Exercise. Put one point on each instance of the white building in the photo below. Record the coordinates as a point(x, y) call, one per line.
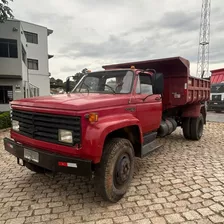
point(24, 69)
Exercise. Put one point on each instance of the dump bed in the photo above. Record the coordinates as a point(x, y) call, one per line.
point(179, 87)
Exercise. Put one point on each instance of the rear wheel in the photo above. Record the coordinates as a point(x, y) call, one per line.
point(186, 127)
point(197, 126)
point(193, 127)
point(115, 171)
point(34, 168)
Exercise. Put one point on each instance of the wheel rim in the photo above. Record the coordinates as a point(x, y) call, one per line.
point(200, 129)
point(122, 170)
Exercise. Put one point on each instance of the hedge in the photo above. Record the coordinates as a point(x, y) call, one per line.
point(5, 121)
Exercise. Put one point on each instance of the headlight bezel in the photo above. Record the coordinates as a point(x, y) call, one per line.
point(68, 134)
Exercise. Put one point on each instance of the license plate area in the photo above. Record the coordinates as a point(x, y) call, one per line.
point(31, 155)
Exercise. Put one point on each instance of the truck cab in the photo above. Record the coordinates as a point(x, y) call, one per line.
point(135, 88)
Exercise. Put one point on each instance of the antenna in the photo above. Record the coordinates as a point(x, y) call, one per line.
point(204, 38)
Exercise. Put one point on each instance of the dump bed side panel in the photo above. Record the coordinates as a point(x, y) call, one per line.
point(174, 91)
point(185, 90)
point(198, 90)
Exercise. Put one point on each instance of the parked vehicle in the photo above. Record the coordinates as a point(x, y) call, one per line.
point(110, 117)
point(216, 102)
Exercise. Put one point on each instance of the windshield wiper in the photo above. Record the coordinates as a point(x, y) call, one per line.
point(109, 88)
point(86, 86)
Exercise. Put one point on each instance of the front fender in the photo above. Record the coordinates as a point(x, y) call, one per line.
point(96, 133)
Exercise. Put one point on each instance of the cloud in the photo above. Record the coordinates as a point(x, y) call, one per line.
point(91, 33)
point(180, 21)
point(73, 69)
point(112, 47)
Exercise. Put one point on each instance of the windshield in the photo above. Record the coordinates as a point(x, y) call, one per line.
point(217, 88)
point(119, 81)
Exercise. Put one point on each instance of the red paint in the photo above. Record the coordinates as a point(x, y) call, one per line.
point(113, 110)
point(217, 76)
point(192, 110)
point(62, 164)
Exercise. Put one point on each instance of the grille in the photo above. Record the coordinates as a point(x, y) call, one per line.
point(45, 127)
point(216, 98)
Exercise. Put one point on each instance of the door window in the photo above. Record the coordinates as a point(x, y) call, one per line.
point(144, 84)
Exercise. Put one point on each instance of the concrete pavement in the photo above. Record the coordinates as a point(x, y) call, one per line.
point(215, 117)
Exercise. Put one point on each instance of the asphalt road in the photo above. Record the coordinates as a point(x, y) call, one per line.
point(215, 117)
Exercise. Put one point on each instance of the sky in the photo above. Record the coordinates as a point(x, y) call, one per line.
point(92, 33)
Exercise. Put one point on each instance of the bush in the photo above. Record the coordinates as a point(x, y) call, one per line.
point(5, 121)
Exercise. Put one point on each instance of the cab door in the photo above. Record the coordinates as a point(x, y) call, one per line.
point(148, 105)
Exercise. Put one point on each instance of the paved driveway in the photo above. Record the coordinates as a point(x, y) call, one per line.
point(183, 182)
point(216, 117)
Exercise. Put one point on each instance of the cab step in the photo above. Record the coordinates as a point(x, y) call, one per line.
point(150, 144)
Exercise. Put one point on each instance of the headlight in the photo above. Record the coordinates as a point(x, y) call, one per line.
point(10, 112)
point(15, 125)
point(65, 136)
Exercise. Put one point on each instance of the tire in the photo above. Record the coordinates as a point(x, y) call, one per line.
point(186, 127)
point(34, 168)
point(197, 125)
point(110, 182)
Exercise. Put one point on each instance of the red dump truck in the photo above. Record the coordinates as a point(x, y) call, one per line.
point(110, 117)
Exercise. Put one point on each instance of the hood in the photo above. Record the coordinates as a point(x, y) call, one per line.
point(77, 101)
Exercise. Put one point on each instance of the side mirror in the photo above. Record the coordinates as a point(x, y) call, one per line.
point(67, 87)
point(158, 83)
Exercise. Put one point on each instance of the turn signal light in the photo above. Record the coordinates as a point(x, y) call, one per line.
point(92, 117)
point(132, 67)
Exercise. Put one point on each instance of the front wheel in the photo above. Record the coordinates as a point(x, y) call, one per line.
point(115, 171)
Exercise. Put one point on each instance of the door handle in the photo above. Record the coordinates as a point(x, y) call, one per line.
point(158, 98)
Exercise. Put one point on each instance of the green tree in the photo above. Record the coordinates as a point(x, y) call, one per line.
point(56, 83)
point(5, 11)
point(79, 75)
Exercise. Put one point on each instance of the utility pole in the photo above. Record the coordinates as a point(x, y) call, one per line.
point(204, 38)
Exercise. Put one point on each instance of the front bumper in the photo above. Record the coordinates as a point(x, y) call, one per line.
point(216, 105)
point(50, 161)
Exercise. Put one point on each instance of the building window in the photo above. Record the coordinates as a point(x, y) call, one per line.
point(32, 64)
point(6, 94)
point(8, 48)
point(23, 54)
point(31, 37)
